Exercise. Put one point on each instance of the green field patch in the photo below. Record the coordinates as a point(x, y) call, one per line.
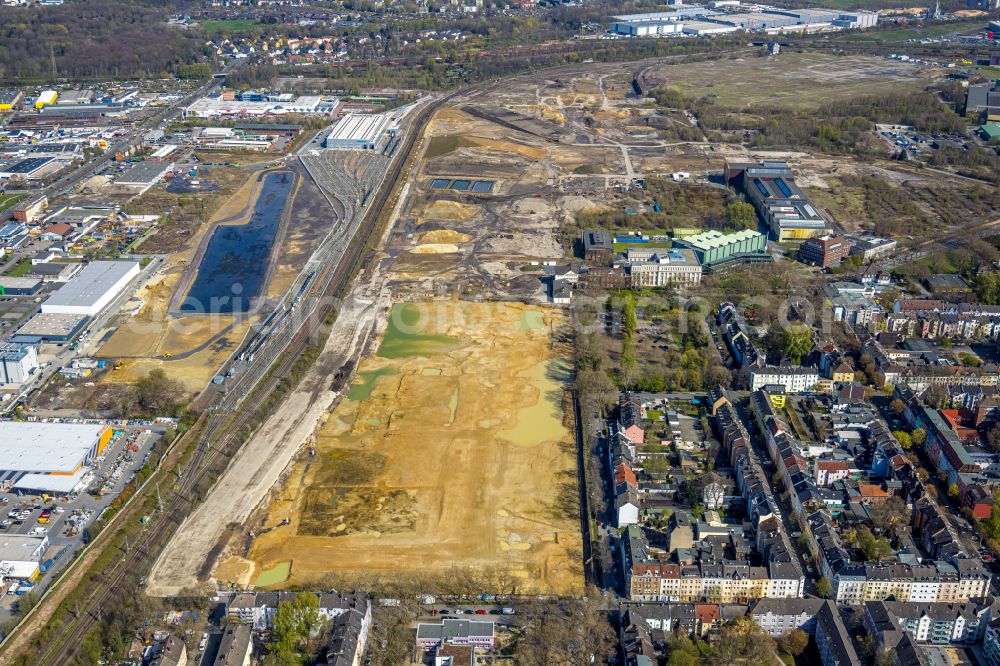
point(442, 145)
point(532, 320)
point(403, 337)
point(8, 200)
point(21, 268)
point(228, 25)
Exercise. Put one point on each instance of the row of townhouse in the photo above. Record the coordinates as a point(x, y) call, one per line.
point(792, 379)
point(949, 576)
point(817, 617)
point(779, 574)
point(936, 623)
point(936, 325)
point(922, 368)
point(622, 460)
point(644, 627)
point(648, 579)
point(909, 307)
point(737, 335)
point(715, 578)
point(952, 576)
point(973, 469)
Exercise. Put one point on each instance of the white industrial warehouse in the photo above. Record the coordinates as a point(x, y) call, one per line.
point(215, 107)
point(20, 556)
point(92, 289)
point(49, 457)
point(359, 131)
point(696, 20)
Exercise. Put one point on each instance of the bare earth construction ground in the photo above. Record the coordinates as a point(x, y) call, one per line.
point(420, 469)
point(450, 452)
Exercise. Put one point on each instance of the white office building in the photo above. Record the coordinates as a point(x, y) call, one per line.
point(17, 362)
point(795, 380)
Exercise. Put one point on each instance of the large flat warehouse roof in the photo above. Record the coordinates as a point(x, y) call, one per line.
point(46, 447)
point(51, 483)
point(360, 127)
point(20, 547)
point(51, 326)
point(92, 284)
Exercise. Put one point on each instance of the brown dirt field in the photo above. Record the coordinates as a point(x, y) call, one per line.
point(492, 146)
point(457, 458)
point(194, 372)
point(235, 570)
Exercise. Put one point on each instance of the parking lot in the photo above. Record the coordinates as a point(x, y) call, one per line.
point(64, 520)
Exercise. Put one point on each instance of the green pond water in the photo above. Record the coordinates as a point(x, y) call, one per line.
point(542, 421)
point(531, 320)
point(403, 336)
point(362, 390)
point(279, 573)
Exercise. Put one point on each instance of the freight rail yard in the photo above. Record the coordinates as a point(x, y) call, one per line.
point(294, 270)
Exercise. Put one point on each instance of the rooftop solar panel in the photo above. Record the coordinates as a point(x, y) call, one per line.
point(783, 187)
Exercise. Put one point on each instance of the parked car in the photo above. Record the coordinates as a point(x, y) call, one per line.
point(480, 612)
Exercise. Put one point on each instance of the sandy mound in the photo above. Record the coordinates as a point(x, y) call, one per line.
point(450, 210)
point(575, 204)
point(234, 570)
point(435, 248)
point(443, 236)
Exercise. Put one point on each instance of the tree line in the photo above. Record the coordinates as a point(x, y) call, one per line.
point(92, 39)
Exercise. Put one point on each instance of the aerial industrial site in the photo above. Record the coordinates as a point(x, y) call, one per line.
point(479, 333)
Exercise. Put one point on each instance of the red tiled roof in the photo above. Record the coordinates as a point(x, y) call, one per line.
point(707, 613)
point(899, 461)
point(60, 228)
point(833, 465)
point(624, 474)
point(871, 490)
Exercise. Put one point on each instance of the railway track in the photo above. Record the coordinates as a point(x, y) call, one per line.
point(222, 429)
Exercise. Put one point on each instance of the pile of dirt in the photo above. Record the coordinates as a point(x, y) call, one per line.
point(435, 248)
point(443, 236)
point(450, 210)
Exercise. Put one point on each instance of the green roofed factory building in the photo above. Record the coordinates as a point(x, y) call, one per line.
point(718, 252)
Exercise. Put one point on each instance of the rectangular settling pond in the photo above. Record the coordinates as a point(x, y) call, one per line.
point(232, 271)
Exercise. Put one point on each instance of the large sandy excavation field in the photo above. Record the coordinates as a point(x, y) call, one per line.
point(452, 450)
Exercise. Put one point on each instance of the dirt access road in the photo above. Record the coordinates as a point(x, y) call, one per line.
point(258, 467)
